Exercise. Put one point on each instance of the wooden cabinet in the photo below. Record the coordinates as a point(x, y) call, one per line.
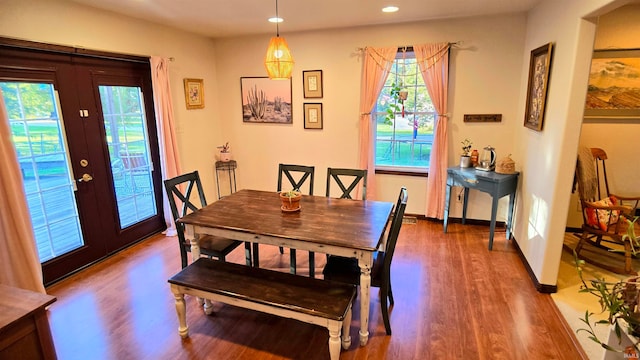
point(24, 328)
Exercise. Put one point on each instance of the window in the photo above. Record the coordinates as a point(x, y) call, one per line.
point(403, 138)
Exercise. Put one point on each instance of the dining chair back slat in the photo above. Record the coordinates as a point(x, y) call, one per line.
point(290, 172)
point(303, 173)
point(356, 176)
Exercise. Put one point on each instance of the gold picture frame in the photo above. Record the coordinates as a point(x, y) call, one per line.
point(312, 115)
point(539, 69)
point(312, 81)
point(194, 93)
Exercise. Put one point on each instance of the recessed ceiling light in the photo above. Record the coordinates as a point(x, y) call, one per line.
point(276, 20)
point(390, 9)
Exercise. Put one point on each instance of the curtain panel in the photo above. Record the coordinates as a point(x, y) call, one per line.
point(167, 141)
point(376, 66)
point(19, 262)
point(433, 60)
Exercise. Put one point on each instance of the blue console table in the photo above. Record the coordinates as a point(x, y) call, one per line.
point(496, 185)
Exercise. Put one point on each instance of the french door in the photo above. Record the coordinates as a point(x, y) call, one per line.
point(84, 132)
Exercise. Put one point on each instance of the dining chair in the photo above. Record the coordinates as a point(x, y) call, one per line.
point(339, 175)
point(190, 200)
point(346, 270)
point(298, 177)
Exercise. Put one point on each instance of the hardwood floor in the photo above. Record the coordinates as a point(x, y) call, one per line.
point(454, 299)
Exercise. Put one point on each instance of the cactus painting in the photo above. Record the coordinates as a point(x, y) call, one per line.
point(265, 100)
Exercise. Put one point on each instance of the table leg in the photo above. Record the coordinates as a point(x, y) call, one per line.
point(512, 200)
point(447, 200)
point(190, 235)
point(256, 255)
point(494, 211)
point(464, 205)
point(365, 290)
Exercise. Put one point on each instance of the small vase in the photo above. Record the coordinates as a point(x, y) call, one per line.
point(465, 161)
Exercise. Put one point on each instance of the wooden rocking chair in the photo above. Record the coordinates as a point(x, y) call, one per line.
point(603, 213)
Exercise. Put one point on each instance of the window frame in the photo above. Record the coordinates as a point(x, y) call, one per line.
point(414, 85)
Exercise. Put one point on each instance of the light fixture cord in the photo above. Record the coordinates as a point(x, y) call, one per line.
point(277, 21)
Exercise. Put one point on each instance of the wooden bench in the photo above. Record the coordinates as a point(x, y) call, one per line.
point(314, 301)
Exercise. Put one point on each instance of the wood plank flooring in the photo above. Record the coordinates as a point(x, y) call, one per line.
point(454, 299)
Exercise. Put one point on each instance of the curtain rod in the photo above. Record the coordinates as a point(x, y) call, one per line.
point(410, 47)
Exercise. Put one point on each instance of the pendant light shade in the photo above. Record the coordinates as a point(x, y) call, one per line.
point(278, 60)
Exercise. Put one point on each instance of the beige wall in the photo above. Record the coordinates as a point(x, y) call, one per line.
point(618, 29)
point(483, 69)
point(550, 155)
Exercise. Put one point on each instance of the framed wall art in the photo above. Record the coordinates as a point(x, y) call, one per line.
point(539, 69)
point(312, 84)
point(194, 93)
point(312, 115)
point(614, 84)
point(265, 100)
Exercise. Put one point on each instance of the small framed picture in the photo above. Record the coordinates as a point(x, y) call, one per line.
point(312, 84)
point(194, 93)
point(312, 115)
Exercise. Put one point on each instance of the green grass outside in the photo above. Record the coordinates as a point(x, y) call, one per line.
point(402, 155)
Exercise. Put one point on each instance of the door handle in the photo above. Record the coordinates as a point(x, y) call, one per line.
point(86, 178)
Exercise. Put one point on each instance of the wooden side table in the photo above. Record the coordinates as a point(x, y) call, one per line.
point(497, 185)
point(24, 327)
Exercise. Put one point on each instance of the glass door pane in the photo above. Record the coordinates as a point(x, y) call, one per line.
point(38, 135)
point(127, 139)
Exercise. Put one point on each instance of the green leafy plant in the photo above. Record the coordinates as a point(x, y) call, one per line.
point(291, 194)
point(619, 300)
point(466, 147)
point(393, 105)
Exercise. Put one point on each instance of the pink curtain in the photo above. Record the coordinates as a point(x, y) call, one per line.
point(433, 60)
point(169, 159)
point(19, 262)
point(377, 63)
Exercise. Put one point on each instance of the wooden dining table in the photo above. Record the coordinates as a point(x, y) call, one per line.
point(342, 227)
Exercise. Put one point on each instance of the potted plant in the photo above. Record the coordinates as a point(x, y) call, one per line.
point(290, 200)
point(398, 96)
point(618, 300)
point(225, 152)
point(465, 157)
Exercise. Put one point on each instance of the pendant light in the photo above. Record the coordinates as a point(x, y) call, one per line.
point(278, 60)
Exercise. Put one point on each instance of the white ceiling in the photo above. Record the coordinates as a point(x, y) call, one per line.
point(226, 18)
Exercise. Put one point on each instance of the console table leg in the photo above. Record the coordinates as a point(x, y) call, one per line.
point(464, 205)
point(512, 200)
point(447, 200)
point(494, 211)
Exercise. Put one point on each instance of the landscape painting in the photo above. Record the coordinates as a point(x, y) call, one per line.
point(265, 100)
point(614, 84)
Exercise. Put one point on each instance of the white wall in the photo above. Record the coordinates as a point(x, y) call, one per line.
point(483, 69)
point(619, 29)
point(549, 156)
point(66, 23)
